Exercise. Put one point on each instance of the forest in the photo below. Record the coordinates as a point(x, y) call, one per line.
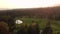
point(35, 21)
point(49, 12)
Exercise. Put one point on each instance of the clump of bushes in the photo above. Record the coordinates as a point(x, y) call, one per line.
point(47, 29)
point(4, 29)
point(29, 29)
point(33, 28)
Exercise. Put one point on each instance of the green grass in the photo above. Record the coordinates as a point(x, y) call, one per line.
point(42, 23)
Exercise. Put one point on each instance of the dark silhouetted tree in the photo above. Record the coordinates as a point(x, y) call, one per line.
point(34, 28)
point(11, 24)
point(22, 29)
point(48, 29)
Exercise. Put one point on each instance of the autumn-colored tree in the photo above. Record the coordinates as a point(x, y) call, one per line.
point(4, 29)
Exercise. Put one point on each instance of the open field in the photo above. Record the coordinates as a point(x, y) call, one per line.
point(42, 23)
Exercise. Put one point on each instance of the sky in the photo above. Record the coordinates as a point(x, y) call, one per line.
point(11, 4)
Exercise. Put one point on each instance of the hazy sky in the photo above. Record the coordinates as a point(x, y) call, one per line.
point(10, 4)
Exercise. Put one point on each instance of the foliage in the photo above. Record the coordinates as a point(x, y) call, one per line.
point(4, 29)
point(55, 25)
point(28, 29)
point(47, 29)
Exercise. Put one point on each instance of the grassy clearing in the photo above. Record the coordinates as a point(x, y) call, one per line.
point(42, 22)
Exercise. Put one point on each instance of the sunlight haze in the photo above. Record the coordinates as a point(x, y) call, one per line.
point(11, 4)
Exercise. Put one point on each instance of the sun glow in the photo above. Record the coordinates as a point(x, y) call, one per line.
point(11, 4)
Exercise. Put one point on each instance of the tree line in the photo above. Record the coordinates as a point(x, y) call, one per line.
point(50, 12)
